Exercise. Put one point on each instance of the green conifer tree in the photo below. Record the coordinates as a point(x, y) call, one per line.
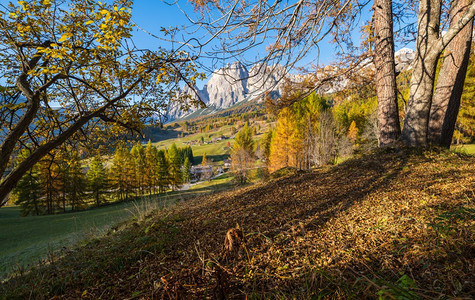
point(187, 170)
point(28, 190)
point(97, 179)
point(266, 143)
point(138, 155)
point(150, 166)
point(176, 177)
point(162, 173)
point(76, 184)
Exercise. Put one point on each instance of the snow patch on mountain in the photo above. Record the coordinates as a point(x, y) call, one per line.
point(229, 86)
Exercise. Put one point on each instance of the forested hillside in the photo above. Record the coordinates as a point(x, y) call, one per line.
point(389, 225)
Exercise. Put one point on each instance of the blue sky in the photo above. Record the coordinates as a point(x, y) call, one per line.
point(153, 15)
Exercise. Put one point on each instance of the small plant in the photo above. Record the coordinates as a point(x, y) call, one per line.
point(445, 223)
point(400, 290)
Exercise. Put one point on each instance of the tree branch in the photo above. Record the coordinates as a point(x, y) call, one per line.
point(445, 39)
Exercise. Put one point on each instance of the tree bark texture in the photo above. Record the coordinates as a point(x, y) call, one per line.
point(429, 46)
point(448, 92)
point(389, 128)
point(423, 75)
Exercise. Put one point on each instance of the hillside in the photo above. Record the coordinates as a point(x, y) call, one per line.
point(397, 224)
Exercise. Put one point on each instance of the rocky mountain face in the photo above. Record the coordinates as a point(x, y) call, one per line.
point(404, 58)
point(234, 84)
point(188, 102)
point(229, 86)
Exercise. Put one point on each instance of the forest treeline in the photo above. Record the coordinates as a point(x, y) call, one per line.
point(317, 130)
point(61, 183)
point(314, 131)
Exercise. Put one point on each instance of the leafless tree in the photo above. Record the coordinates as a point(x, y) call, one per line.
point(326, 140)
point(292, 30)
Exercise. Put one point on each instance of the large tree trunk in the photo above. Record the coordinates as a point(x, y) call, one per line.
point(423, 74)
point(389, 128)
point(446, 102)
point(428, 49)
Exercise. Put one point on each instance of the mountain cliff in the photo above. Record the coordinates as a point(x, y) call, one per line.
point(228, 86)
point(235, 84)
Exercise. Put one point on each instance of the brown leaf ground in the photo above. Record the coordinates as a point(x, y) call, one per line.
point(396, 224)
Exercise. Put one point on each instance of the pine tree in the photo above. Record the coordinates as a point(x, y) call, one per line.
point(162, 173)
point(266, 143)
point(187, 152)
point(187, 170)
point(28, 190)
point(138, 155)
point(118, 174)
point(174, 158)
point(204, 160)
point(76, 183)
point(97, 178)
point(150, 166)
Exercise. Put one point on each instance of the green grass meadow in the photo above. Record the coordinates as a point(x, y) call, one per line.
point(28, 240)
point(465, 149)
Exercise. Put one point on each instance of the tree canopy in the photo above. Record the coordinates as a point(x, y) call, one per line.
point(296, 29)
point(79, 56)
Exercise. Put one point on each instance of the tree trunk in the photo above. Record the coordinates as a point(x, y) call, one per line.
point(389, 128)
point(423, 74)
point(446, 102)
point(428, 49)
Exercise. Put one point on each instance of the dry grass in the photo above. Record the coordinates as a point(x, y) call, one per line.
point(396, 224)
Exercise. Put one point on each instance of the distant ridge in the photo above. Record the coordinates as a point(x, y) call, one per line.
point(234, 84)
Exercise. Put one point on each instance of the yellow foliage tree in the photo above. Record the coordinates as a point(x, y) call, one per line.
point(285, 142)
point(76, 54)
point(352, 132)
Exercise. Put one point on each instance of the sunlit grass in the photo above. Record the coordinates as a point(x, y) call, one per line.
point(26, 240)
point(466, 149)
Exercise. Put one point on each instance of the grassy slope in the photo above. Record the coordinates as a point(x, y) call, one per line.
point(466, 149)
point(217, 151)
point(26, 240)
point(395, 224)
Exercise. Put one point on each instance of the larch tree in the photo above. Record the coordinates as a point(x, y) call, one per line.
point(389, 128)
point(176, 176)
point(76, 183)
point(28, 190)
point(429, 45)
point(150, 165)
point(138, 155)
point(77, 54)
point(292, 30)
point(97, 179)
point(282, 150)
point(52, 182)
point(242, 154)
point(118, 172)
point(448, 91)
point(162, 173)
